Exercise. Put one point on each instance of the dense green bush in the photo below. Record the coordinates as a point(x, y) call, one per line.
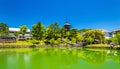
point(116, 38)
point(52, 41)
point(58, 41)
point(35, 42)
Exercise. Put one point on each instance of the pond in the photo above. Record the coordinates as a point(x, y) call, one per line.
point(59, 58)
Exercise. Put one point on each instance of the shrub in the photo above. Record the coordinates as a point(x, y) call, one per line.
point(52, 41)
point(35, 42)
point(58, 41)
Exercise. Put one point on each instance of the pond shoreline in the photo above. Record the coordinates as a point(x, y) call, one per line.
point(60, 45)
point(35, 46)
point(106, 47)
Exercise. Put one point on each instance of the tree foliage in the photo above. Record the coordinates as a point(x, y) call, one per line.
point(79, 37)
point(53, 31)
point(96, 35)
point(54, 34)
point(4, 29)
point(23, 29)
point(52, 41)
point(38, 31)
point(16, 34)
point(89, 40)
point(116, 38)
point(73, 33)
point(84, 30)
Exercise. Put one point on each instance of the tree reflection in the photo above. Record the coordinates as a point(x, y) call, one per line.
point(102, 56)
point(53, 58)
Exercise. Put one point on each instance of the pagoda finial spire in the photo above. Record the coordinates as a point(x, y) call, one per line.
point(66, 20)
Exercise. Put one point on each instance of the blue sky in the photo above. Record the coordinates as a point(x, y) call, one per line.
point(95, 14)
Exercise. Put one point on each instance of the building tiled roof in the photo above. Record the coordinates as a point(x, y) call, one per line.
point(66, 24)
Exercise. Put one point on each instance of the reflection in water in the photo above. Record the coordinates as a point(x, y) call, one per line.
point(56, 58)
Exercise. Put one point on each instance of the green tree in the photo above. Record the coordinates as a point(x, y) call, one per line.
point(63, 33)
point(4, 29)
point(116, 38)
point(38, 31)
point(23, 30)
point(73, 40)
point(67, 34)
point(16, 34)
point(73, 33)
point(53, 31)
point(79, 37)
point(75, 36)
point(96, 35)
point(89, 40)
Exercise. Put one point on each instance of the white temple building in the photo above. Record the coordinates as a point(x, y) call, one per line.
point(109, 34)
point(20, 37)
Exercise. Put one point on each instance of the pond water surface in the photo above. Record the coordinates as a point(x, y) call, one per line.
point(56, 58)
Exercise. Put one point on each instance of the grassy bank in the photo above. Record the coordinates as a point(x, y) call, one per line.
point(102, 46)
point(29, 44)
point(98, 45)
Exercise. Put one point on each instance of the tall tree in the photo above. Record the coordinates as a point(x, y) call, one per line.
point(73, 33)
point(53, 31)
point(79, 37)
point(96, 35)
point(23, 30)
point(4, 29)
point(38, 31)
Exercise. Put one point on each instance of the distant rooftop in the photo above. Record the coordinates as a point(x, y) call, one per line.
point(17, 29)
point(117, 30)
point(66, 24)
